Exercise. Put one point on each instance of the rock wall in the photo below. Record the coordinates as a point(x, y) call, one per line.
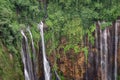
point(74, 67)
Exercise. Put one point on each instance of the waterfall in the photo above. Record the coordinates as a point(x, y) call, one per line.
point(116, 42)
point(105, 63)
point(34, 55)
point(28, 69)
point(45, 62)
point(107, 51)
point(57, 76)
point(25, 67)
point(104, 53)
point(101, 54)
point(105, 56)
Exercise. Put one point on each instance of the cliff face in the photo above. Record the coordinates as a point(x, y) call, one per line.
point(73, 66)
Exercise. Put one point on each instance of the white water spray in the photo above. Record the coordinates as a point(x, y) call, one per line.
point(45, 62)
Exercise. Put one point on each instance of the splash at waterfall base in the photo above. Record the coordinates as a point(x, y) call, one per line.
point(102, 57)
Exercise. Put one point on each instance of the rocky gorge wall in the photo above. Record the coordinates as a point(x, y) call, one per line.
point(74, 66)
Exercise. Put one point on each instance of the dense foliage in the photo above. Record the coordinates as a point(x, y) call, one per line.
point(14, 16)
point(72, 19)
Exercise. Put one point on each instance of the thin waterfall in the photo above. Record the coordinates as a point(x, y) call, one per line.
point(58, 78)
point(25, 67)
point(101, 52)
point(106, 61)
point(34, 55)
point(28, 69)
point(116, 42)
point(45, 62)
point(108, 52)
point(105, 54)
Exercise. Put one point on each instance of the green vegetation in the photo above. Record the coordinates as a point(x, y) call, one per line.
point(70, 18)
point(14, 16)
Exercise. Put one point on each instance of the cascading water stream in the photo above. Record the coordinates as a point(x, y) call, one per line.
point(34, 55)
point(104, 53)
point(58, 78)
point(101, 53)
point(45, 62)
point(105, 56)
point(108, 51)
point(106, 61)
point(25, 67)
point(28, 69)
point(116, 42)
